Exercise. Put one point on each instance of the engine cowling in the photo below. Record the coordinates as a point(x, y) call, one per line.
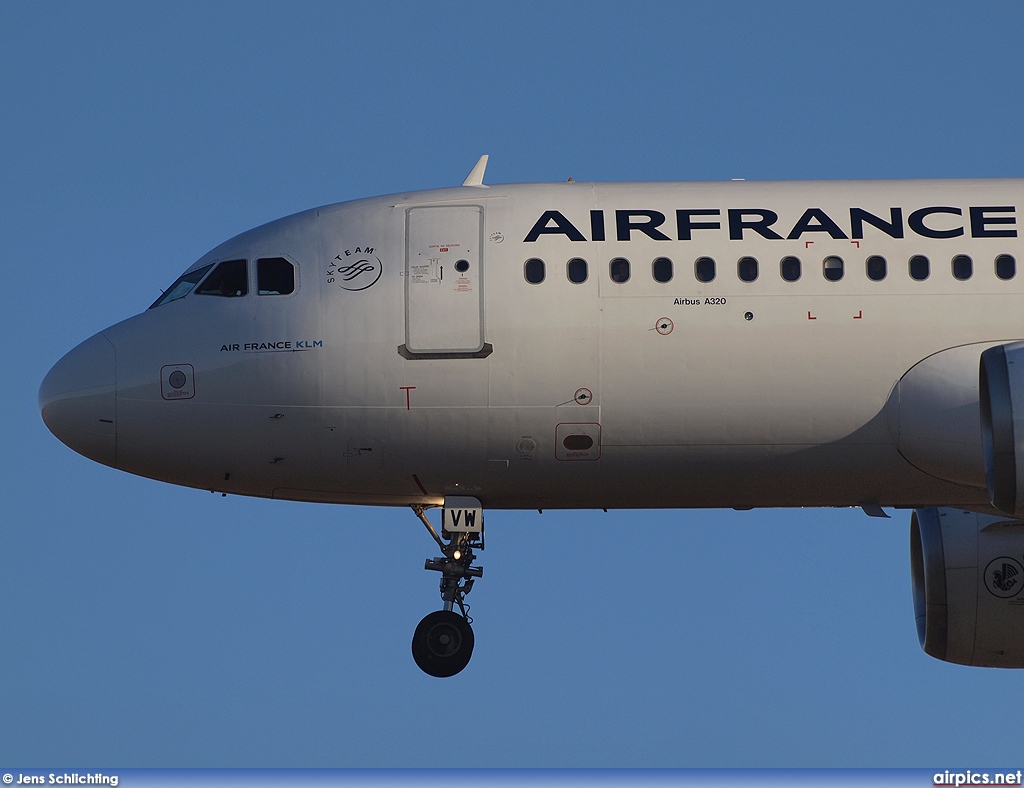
point(1001, 395)
point(968, 581)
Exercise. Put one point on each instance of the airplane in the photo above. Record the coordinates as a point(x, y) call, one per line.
point(601, 345)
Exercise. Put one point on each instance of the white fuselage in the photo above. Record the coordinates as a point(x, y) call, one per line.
point(390, 376)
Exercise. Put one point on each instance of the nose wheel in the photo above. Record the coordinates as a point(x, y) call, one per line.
point(443, 641)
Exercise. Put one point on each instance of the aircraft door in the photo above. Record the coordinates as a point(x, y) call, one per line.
point(444, 306)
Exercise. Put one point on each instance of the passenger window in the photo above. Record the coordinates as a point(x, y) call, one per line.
point(963, 267)
point(919, 267)
point(789, 267)
point(876, 267)
point(229, 279)
point(274, 276)
point(1006, 266)
point(746, 267)
point(183, 286)
point(576, 270)
point(704, 269)
point(618, 270)
point(832, 268)
point(533, 270)
point(661, 269)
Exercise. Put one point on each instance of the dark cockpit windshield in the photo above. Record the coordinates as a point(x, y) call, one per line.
point(275, 276)
point(229, 279)
point(183, 286)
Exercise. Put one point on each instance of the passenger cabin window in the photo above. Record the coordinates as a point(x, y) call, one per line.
point(919, 267)
point(789, 267)
point(533, 270)
point(832, 268)
point(876, 268)
point(618, 270)
point(229, 279)
point(746, 267)
point(577, 270)
point(963, 267)
point(1006, 266)
point(704, 269)
point(661, 269)
point(275, 276)
point(183, 286)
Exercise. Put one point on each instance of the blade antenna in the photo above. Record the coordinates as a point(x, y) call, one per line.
point(476, 175)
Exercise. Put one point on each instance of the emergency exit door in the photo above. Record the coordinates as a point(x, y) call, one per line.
point(444, 306)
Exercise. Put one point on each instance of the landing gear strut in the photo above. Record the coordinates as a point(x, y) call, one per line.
point(443, 641)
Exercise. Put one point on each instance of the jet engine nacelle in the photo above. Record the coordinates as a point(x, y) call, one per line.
point(1001, 395)
point(968, 579)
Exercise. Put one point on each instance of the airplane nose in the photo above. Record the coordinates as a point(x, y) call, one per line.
point(77, 400)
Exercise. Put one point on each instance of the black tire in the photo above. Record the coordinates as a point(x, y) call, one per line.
point(442, 643)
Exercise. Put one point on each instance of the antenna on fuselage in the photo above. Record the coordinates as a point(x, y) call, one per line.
point(476, 175)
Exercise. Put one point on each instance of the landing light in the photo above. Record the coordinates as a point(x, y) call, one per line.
point(457, 555)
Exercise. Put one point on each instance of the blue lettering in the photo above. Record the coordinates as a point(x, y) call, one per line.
point(760, 225)
point(815, 220)
point(980, 221)
point(916, 222)
point(893, 228)
point(685, 224)
point(646, 222)
point(562, 226)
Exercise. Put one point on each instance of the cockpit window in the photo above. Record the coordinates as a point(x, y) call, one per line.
point(183, 286)
point(229, 279)
point(274, 276)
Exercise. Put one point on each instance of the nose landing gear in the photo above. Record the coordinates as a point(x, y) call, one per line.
point(443, 641)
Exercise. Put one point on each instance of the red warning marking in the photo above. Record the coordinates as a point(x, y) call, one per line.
point(419, 484)
point(856, 243)
point(809, 315)
point(444, 249)
point(859, 315)
point(408, 399)
point(807, 244)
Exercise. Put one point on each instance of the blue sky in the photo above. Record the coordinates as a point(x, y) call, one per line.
point(147, 625)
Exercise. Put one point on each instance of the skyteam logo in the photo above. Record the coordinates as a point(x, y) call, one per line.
point(355, 269)
point(1004, 577)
